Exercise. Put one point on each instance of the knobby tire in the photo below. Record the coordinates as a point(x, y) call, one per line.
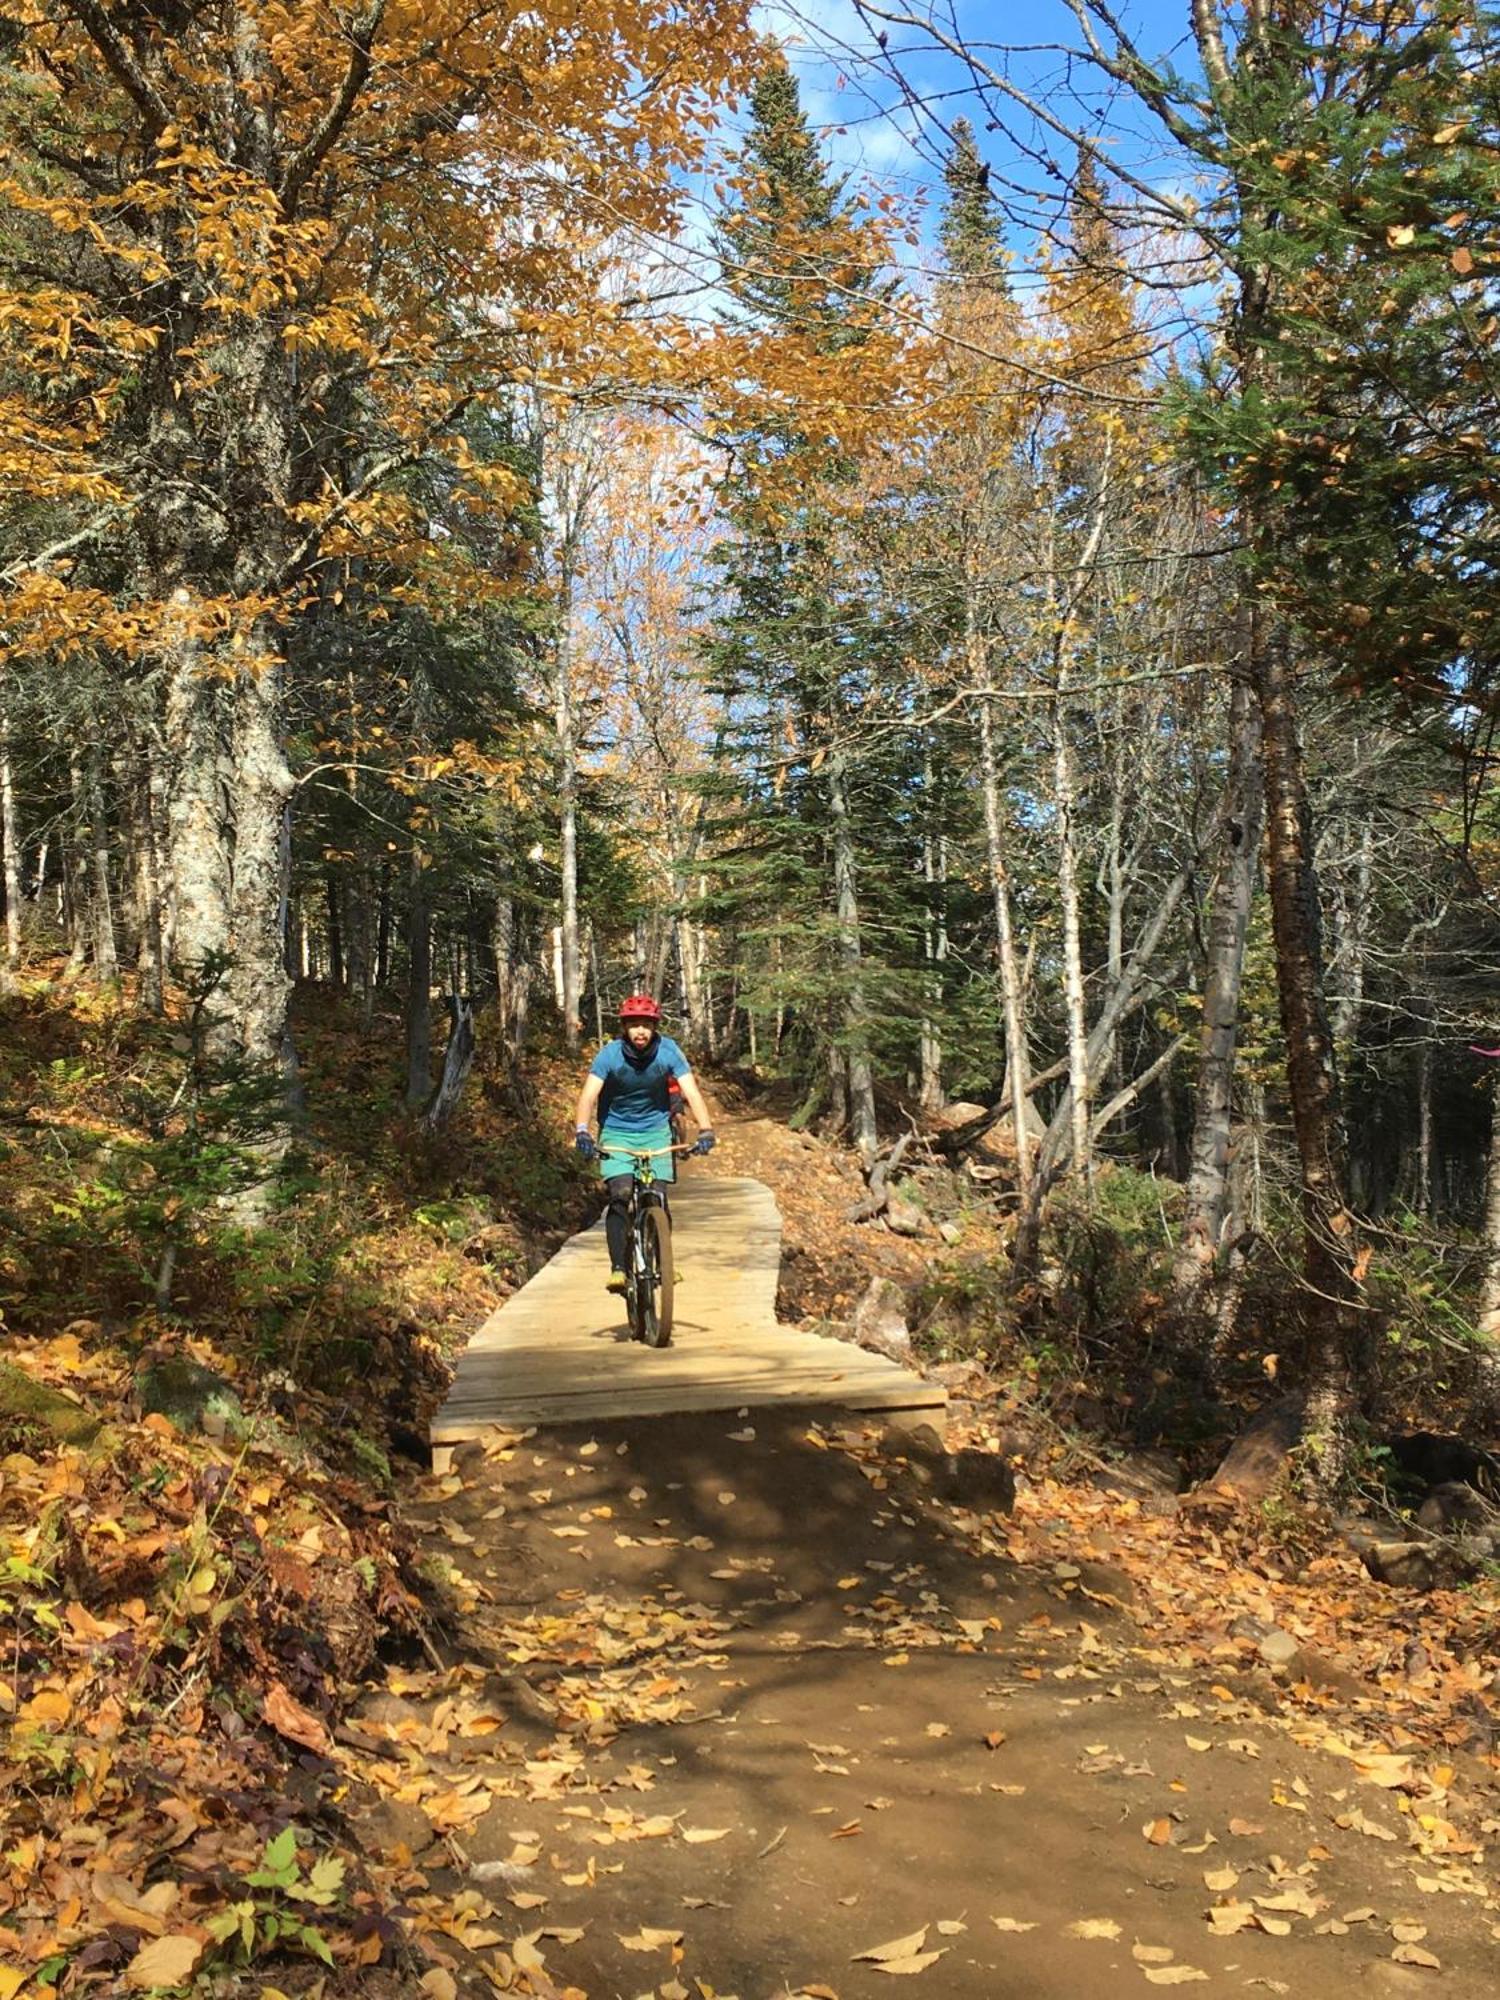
point(651, 1290)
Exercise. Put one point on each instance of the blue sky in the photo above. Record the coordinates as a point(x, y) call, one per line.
point(873, 132)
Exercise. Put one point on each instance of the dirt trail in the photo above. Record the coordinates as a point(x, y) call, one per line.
point(760, 1690)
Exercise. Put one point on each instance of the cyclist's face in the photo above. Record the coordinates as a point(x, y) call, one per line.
point(638, 1033)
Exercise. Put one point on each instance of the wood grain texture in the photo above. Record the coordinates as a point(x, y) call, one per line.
point(560, 1351)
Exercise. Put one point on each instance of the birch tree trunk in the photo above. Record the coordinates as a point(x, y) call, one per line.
point(570, 980)
point(10, 852)
point(1207, 1191)
point(1017, 1056)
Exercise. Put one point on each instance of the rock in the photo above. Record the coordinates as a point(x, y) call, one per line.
point(1257, 1459)
point(903, 1217)
point(880, 1321)
point(917, 1441)
point(951, 1233)
point(1277, 1648)
point(190, 1396)
point(1407, 1565)
point(391, 1823)
point(1145, 1472)
point(1455, 1505)
point(29, 1410)
point(1306, 1665)
point(979, 1479)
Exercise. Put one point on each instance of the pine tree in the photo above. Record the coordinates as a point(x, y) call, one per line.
point(793, 653)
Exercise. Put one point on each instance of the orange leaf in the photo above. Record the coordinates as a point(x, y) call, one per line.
point(290, 1719)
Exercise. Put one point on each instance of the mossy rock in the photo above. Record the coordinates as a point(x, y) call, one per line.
point(190, 1396)
point(30, 1411)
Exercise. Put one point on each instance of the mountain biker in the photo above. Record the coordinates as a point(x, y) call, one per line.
point(629, 1085)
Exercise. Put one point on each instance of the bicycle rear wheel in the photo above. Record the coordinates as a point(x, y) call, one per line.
point(656, 1286)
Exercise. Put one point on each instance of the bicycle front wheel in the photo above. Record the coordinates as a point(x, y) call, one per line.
point(656, 1285)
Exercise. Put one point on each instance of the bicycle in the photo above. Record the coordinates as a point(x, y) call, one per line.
point(649, 1272)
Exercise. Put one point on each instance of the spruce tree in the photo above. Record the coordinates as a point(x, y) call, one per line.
point(797, 650)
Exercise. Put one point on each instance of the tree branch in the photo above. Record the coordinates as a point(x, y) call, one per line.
point(102, 32)
point(306, 161)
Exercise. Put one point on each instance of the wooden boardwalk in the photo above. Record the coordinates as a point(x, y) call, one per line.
point(559, 1351)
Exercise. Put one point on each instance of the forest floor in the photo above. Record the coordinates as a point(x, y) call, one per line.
point(716, 1706)
point(788, 1725)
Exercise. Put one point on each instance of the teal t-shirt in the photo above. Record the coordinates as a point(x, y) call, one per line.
point(633, 1103)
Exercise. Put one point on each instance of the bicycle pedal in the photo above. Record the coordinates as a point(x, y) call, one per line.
point(616, 1283)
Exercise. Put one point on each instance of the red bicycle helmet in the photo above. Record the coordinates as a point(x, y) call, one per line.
point(640, 1007)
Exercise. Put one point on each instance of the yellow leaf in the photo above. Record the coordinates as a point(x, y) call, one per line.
point(49, 1708)
point(1397, 237)
point(166, 1961)
point(902, 1947)
point(12, 1978)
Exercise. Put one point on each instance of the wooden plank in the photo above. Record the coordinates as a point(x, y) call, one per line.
point(555, 1352)
point(544, 1410)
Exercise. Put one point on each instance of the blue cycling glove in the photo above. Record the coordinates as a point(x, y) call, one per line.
point(584, 1142)
point(706, 1143)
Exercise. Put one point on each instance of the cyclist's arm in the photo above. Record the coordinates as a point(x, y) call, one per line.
point(588, 1100)
point(689, 1086)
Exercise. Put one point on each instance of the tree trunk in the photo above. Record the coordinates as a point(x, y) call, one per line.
point(1080, 1081)
point(150, 947)
point(1207, 1192)
point(1491, 1285)
point(10, 847)
point(418, 988)
point(1312, 1077)
point(934, 938)
point(1017, 1055)
point(856, 1025)
point(101, 893)
point(335, 927)
point(569, 976)
point(257, 986)
point(197, 838)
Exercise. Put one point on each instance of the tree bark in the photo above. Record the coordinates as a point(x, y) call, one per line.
point(10, 849)
point(934, 938)
point(418, 988)
point(1017, 1054)
point(570, 972)
point(196, 832)
point(1207, 1191)
point(855, 1021)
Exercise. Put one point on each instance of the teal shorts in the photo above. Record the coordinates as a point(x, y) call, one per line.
point(616, 1151)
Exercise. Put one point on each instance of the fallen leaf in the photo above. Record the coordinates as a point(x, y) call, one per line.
point(1158, 1832)
point(439, 1984)
point(917, 1963)
point(650, 1940)
point(951, 1927)
point(166, 1961)
point(1152, 1954)
point(1173, 1975)
point(290, 1719)
point(1414, 1954)
point(1220, 1879)
point(1405, 1933)
point(1011, 1924)
point(902, 1947)
point(1095, 1927)
point(696, 1836)
point(1245, 1829)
